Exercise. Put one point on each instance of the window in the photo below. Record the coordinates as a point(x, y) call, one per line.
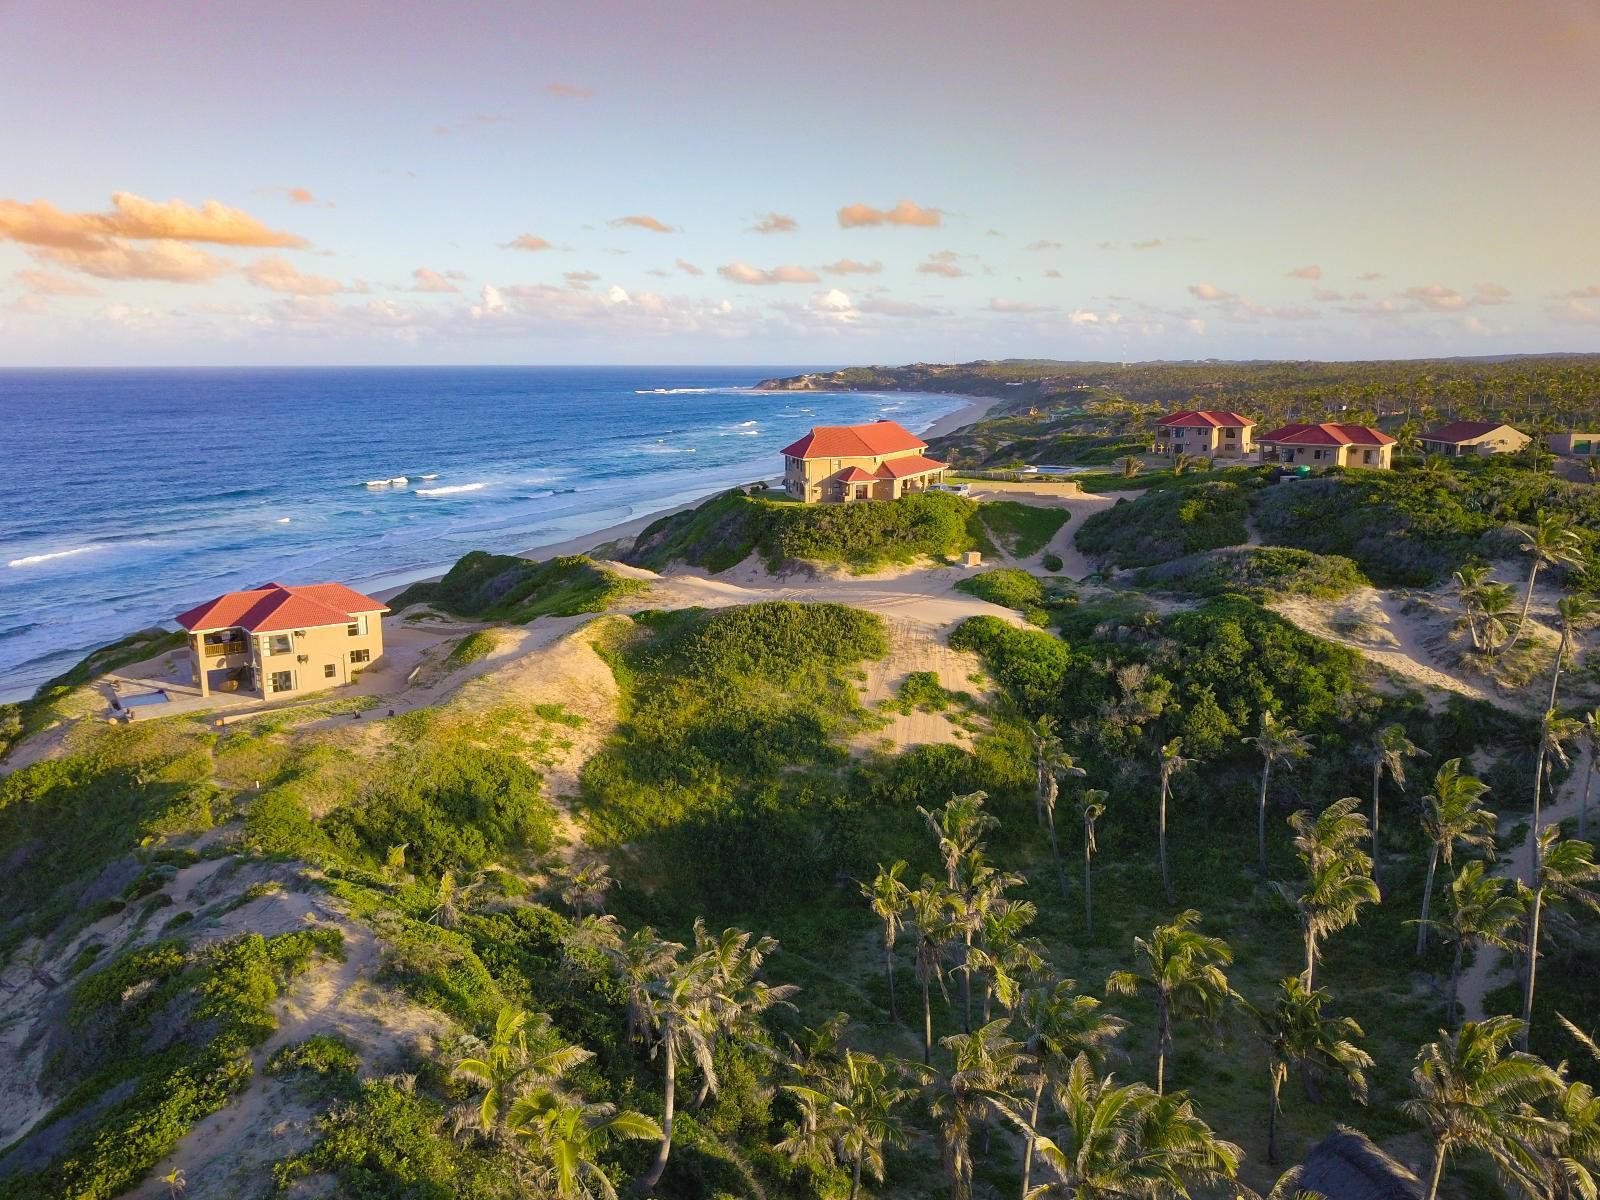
point(282, 681)
point(329, 670)
point(280, 643)
point(358, 627)
point(1232, 433)
point(360, 656)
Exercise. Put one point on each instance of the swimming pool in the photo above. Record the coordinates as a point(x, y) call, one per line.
point(156, 697)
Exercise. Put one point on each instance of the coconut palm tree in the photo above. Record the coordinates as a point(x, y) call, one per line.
point(1495, 604)
point(1452, 815)
point(1058, 1025)
point(1591, 738)
point(1338, 874)
point(1485, 910)
point(1549, 542)
point(1573, 612)
point(738, 996)
point(1131, 465)
point(1005, 956)
point(1470, 580)
point(1051, 762)
point(958, 827)
point(888, 895)
point(1276, 744)
point(1564, 872)
point(1390, 749)
point(679, 1013)
point(637, 961)
point(584, 885)
point(1182, 969)
point(1574, 1173)
point(934, 917)
point(1091, 806)
point(568, 1136)
point(1472, 1091)
point(1296, 1033)
point(1555, 731)
point(850, 1114)
point(1127, 1141)
point(1169, 762)
point(506, 1067)
point(986, 1066)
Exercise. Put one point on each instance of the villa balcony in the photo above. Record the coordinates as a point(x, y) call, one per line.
point(226, 649)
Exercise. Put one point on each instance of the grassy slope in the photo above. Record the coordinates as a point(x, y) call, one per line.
point(500, 587)
point(1166, 523)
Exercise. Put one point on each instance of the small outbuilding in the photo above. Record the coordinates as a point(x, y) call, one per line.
point(1346, 1165)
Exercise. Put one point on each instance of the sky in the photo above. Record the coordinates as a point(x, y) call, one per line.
point(826, 183)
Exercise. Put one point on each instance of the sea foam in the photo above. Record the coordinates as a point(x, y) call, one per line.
point(451, 490)
point(33, 560)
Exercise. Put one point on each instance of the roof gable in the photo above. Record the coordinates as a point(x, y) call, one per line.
point(1208, 418)
point(1346, 1165)
point(1466, 431)
point(871, 440)
point(274, 608)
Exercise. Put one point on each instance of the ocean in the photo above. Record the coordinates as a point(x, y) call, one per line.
point(127, 496)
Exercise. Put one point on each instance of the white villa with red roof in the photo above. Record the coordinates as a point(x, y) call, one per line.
point(839, 464)
point(1215, 433)
point(279, 642)
point(1328, 445)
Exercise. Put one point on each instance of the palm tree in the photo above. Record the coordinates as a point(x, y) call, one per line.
point(1472, 1091)
point(1495, 603)
point(888, 896)
point(1051, 762)
point(1390, 749)
point(1591, 737)
point(959, 828)
point(850, 1114)
point(1452, 815)
point(1484, 911)
point(1575, 1172)
point(570, 1136)
point(1182, 969)
point(1549, 542)
point(1170, 762)
point(1058, 1026)
point(1572, 611)
point(1004, 955)
point(933, 916)
point(1276, 743)
point(584, 885)
point(1555, 731)
point(678, 1012)
point(737, 996)
point(1470, 580)
point(1092, 807)
point(1128, 1141)
point(1295, 1032)
point(1131, 465)
point(1338, 874)
point(638, 961)
point(506, 1067)
point(1564, 869)
point(985, 1065)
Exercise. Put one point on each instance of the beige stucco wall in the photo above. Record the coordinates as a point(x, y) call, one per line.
point(1213, 443)
point(1580, 444)
point(320, 647)
point(812, 479)
point(1375, 458)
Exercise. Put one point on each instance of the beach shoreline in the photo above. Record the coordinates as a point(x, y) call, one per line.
point(969, 413)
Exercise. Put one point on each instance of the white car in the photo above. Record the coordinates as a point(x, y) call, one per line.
point(955, 489)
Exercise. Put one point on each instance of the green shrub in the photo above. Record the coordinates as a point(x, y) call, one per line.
point(501, 587)
point(1052, 563)
point(474, 646)
point(1168, 523)
point(320, 1054)
point(1006, 586)
point(1258, 571)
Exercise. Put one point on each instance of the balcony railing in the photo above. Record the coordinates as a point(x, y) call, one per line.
point(222, 649)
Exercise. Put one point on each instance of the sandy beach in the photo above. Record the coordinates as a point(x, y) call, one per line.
point(968, 414)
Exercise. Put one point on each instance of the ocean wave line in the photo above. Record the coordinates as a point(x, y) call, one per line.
point(33, 560)
point(452, 489)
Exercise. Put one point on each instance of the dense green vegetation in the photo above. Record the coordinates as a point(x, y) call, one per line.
point(1260, 572)
point(501, 587)
point(160, 1037)
point(1413, 527)
point(726, 530)
point(1022, 529)
point(1009, 588)
point(1165, 524)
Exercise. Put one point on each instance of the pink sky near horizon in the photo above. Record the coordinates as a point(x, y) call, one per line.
point(422, 182)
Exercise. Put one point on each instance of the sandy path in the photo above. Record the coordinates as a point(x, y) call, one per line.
point(1491, 967)
point(1074, 564)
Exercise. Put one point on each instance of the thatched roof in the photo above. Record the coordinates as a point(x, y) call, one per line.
point(1345, 1165)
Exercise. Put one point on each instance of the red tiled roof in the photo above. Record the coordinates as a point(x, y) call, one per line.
point(915, 464)
point(1210, 418)
point(274, 607)
point(1462, 431)
point(856, 475)
point(1327, 434)
point(855, 441)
